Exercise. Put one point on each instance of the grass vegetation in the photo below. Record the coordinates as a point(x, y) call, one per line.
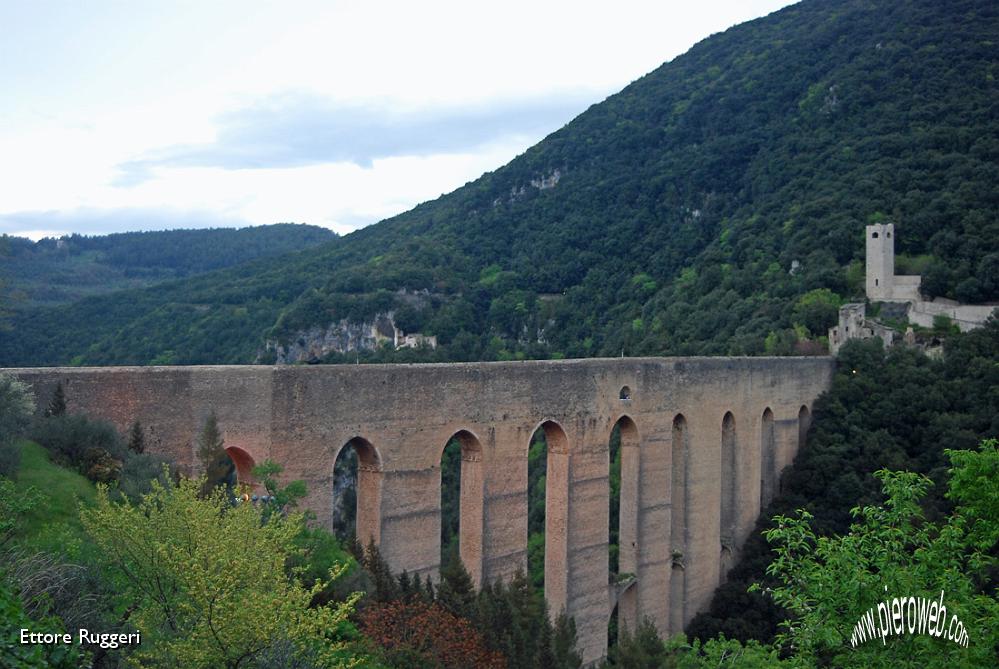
point(61, 493)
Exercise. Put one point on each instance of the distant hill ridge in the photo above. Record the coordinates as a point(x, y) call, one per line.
point(65, 269)
point(714, 206)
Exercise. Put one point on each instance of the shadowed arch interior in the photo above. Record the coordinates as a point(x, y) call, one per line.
point(556, 522)
point(624, 466)
point(367, 508)
point(680, 448)
point(727, 526)
point(804, 422)
point(244, 464)
point(768, 458)
point(468, 500)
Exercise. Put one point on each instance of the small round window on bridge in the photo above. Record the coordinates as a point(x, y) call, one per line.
point(625, 393)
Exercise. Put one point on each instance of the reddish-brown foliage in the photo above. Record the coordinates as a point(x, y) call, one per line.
point(429, 631)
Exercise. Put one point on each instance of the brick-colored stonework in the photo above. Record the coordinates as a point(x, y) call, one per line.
point(400, 417)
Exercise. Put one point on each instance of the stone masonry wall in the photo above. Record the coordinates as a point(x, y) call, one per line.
point(404, 415)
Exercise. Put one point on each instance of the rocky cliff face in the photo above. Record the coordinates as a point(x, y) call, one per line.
point(341, 337)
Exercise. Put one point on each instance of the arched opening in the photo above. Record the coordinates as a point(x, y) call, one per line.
point(357, 483)
point(461, 503)
point(548, 513)
point(680, 447)
point(768, 453)
point(727, 528)
point(625, 393)
point(241, 471)
point(804, 422)
point(623, 472)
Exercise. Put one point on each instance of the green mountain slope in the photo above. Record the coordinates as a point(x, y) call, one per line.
point(689, 213)
point(53, 271)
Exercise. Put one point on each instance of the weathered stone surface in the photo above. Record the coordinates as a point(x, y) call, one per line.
point(400, 417)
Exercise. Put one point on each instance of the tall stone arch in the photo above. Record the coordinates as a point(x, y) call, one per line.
point(680, 451)
point(369, 489)
point(727, 526)
point(768, 458)
point(556, 517)
point(628, 526)
point(470, 503)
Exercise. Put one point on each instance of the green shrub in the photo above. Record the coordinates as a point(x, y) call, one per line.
point(138, 473)
point(92, 447)
point(16, 407)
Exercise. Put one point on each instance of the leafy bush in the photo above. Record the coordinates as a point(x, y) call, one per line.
point(138, 473)
point(229, 598)
point(426, 635)
point(92, 447)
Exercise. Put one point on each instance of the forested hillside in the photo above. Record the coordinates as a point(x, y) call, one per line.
point(715, 206)
point(52, 271)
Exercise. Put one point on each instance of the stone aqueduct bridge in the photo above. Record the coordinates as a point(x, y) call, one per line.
point(703, 441)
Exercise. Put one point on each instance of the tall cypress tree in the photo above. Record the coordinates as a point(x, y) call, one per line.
point(137, 439)
point(386, 587)
point(211, 453)
point(545, 658)
point(57, 407)
point(564, 643)
point(456, 591)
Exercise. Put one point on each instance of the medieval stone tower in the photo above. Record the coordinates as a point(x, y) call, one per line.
point(880, 261)
point(882, 282)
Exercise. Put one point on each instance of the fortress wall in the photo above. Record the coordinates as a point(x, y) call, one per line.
point(302, 417)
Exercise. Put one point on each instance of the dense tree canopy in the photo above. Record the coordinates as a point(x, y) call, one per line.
point(52, 271)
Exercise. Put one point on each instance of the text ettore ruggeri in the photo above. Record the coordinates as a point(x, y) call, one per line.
point(83, 637)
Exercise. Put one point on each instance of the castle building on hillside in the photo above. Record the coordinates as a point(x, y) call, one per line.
point(901, 292)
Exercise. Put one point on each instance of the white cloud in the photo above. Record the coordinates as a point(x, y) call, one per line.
point(191, 96)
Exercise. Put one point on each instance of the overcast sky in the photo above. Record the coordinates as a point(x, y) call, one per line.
point(148, 115)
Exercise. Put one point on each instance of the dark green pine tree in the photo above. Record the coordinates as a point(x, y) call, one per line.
point(456, 592)
point(527, 610)
point(564, 644)
point(211, 453)
point(354, 547)
point(405, 586)
point(545, 658)
point(420, 593)
point(57, 407)
point(137, 439)
point(495, 619)
point(643, 648)
point(386, 588)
